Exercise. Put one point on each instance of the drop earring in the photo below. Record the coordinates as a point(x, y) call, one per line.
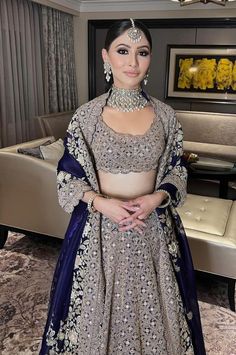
point(145, 80)
point(107, 71)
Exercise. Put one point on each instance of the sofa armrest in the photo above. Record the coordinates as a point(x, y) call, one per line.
point(29, 144)
point(210, 150)
point(28, 195)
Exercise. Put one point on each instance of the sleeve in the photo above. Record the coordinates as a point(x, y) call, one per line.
point(72, 181)
point(70, 190)
point(174, 181)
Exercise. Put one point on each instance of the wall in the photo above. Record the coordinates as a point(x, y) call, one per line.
point(176, 36)
point(181, 36)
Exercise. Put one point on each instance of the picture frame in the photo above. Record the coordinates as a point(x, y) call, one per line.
point(201, 73)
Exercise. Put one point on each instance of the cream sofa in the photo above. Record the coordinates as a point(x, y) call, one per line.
point(28, 186)
point(28, 196)
point(210, 225)
point(209, 134)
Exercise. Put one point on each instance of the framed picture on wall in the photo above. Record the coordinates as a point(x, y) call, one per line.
point(201, 73)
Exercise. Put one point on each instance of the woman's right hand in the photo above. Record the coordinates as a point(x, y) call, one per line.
point(113, 209)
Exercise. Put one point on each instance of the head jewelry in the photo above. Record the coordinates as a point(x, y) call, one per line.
point(134, 33)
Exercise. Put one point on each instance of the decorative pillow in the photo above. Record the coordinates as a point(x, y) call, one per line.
point(53, 152)
point(35, 151)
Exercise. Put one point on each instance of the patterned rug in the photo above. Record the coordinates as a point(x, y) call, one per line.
point(26, 269)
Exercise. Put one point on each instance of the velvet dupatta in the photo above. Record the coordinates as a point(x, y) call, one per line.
point(78, 163)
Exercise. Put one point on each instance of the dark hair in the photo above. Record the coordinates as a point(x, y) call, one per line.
point(117, 29)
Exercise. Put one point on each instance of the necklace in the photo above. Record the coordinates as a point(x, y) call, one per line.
point(126, 100)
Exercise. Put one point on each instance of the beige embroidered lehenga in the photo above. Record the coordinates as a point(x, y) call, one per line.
point(124, 297)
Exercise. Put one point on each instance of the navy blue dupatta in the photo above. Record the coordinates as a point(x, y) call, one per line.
point(63, 275)
point(187, 287)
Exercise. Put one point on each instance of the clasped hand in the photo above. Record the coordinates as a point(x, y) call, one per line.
point(129, 214)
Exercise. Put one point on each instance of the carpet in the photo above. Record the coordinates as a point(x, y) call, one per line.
point(26, 270)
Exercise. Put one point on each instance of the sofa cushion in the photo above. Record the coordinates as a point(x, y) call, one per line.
point(208, 127)
point(205, 214)
point(34, 151)
point(55, 124)
point(210, 226)
point(53, 152)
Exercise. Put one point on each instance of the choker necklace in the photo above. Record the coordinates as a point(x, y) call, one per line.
point(126, 100)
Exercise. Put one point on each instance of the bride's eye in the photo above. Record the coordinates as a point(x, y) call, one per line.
point(144, 53)
point(122, 51)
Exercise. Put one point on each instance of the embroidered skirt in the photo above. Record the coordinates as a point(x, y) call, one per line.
point(125, 298)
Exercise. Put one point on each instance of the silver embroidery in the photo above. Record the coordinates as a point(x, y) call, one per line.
point(125, 297)
point(70, 190)
point(138, 310)
point(122, 153)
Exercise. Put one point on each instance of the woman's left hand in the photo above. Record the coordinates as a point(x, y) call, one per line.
point(141, 207)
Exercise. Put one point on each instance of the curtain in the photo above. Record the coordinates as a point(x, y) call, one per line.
point(60, 77)
point(21, 82)
point(37, 67)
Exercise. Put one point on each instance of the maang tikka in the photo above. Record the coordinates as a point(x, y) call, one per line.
point(107, 71)
point(134, 33)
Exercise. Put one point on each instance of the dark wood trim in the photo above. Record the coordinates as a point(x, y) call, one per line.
point(5, 229)
point(228, 280)
point(231, 293)
point(3, 236)
point(94, 25)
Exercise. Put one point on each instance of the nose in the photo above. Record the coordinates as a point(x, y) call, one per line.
point(133, 61)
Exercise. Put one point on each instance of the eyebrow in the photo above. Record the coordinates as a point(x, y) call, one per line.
point(126, 45)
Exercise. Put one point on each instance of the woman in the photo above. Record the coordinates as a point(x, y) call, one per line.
point(124, 281)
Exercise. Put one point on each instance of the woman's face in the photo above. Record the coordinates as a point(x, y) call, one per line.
point(129, 61)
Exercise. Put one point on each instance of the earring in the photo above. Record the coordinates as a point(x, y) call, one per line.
point(107, 71)
point(145, 80)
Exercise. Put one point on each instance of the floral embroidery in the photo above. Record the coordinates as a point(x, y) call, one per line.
point(122, 153)
point(124, 287)
point(133, 305)
point(70, 190)
point(173, 249)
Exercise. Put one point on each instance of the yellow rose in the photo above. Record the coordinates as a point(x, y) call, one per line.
point(224, 74)
point(204, 76)
point(185, 74)
point(233, 85)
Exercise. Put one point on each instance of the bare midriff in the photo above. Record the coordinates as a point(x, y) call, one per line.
point(127, 186)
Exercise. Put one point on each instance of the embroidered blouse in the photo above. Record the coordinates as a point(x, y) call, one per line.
point(123, 153)
point(83, 144)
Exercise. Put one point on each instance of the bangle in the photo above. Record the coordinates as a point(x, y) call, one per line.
point(90, 205)
point(167, 199)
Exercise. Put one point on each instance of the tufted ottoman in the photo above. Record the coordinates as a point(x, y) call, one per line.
point(210, 225)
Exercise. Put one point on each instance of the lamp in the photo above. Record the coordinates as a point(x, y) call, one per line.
point(189, 2)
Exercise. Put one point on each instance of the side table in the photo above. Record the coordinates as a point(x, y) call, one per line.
point(223, 176)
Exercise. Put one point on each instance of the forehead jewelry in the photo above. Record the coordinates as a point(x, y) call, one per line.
point(134, 33)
